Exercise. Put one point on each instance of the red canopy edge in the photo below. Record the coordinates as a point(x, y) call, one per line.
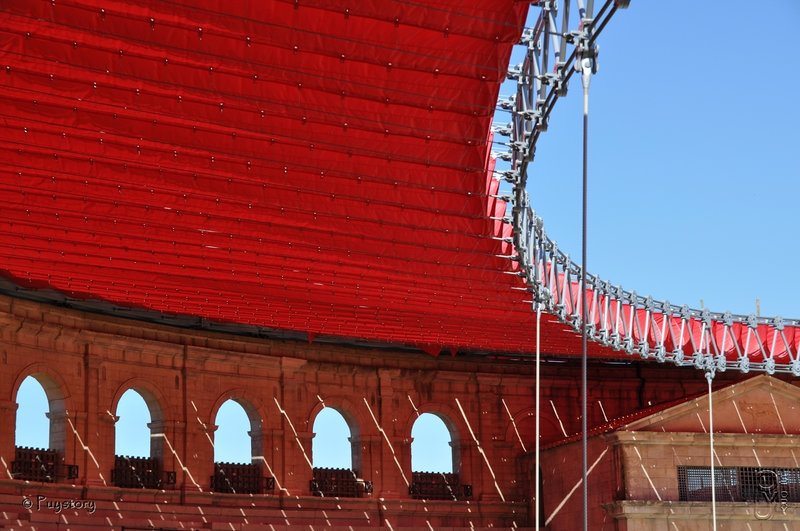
point(314, 168)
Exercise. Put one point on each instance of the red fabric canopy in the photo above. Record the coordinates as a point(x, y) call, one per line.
point(304, 165)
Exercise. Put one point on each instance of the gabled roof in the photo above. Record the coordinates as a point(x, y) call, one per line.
point(761, 404)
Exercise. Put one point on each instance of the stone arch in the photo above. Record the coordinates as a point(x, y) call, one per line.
point(448, 416)
point(521, 430)
point(155, 402)
point(58, 400)
point(255, 416)
point(427, 444)
point(349, 412)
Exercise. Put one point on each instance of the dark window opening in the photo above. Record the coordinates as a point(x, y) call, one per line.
point(740, 484)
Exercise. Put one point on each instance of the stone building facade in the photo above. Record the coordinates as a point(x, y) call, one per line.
point(86, 361)
point(652, 471)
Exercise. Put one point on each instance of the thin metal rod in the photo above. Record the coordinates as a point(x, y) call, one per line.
point(710, 377)
point(584, 314)
point(537, 494)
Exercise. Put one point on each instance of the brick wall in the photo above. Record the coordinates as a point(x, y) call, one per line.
point(87, 361)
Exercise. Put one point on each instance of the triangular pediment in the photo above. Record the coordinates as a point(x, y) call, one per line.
point(762, 404)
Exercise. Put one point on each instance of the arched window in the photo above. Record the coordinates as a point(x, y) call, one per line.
point(33, 426)
point(431, 449)
point(435, 460)
point(336, 454)
point(139, 442)
point(40, 431)
point(33, 386)
point(132, 437)
point(232, 442)
point(330, 447)
point(238, 456)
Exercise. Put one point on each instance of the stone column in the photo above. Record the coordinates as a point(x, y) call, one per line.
point(8, 417)
point(296, 443)
point(401, 465)
point(298, 463)
point(97, 471)
point(200, 458)
point(393, 462)
point(471, 464)
point(270, 457)
point(193, 437)
point(163, 446)
point(370, 460)
point(90, 432)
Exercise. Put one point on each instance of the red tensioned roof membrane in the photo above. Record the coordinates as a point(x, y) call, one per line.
point(311, 166)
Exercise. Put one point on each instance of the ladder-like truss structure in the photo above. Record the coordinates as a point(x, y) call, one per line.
point(616, 317)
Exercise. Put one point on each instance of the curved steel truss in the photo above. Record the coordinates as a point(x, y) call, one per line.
point(615, 317)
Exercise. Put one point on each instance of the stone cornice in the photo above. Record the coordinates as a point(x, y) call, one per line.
point(693, 439)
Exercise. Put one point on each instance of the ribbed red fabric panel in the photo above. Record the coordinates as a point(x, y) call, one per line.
point(303, 165)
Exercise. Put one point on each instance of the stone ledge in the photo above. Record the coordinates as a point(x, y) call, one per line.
point(702, 511)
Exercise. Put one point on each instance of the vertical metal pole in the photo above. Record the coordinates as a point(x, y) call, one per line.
point(586, 75)
point(586, 68)
point(710, 377)
point(537, 494)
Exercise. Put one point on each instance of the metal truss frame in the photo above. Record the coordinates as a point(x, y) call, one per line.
point(621, 319)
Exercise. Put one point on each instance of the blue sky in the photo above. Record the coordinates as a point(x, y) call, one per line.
point(693, 172)
point(430, 450)
point(693, 156)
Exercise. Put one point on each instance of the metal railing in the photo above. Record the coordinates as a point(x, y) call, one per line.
point(615, 317)
point(338, 482)
point(38, 464)
point(140, 473)
point(237, 478)
point(438, 486)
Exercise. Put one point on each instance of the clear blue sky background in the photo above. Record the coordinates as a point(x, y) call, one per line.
point(693, 156)
point(693, 171)
point(330, 447)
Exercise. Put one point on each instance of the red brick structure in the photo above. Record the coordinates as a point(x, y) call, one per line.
point(85, 362)
point(652, 471)
point(284, 170)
